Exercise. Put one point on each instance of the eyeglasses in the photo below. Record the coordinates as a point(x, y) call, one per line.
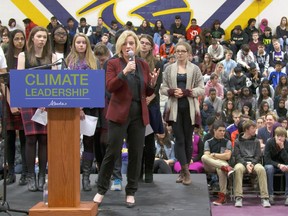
point(146, 43)
point(181, 51)
point(60, 33)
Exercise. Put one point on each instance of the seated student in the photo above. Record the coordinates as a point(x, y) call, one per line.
point(214, 100)
point(265, 83)
point(214, 83)
point(276, 160)
point(262, 59)
point(216, 51)
point(167, 48)
point(165, 155)
point(227, 113)
point(280, 110)
point(247, 110)
point(228, 63)
point(233, 128)
point(171, 59)
point(275, 75)
point(206, 111)
point(237, 81)
point(264, 133)
point(247, 155)
point(217, 152)
point(196, 165)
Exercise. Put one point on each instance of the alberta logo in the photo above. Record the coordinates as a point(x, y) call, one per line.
point(151, 10)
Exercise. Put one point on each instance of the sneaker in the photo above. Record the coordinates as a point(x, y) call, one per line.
point(238, 202)
point(265, 203)
point(116, 185)
point(221, 200)
point(271, 200)
point(228, 169)
point(23, 180)
point(286, 201)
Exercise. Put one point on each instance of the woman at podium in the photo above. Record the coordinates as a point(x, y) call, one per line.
point(129, 81)
point(38, 53)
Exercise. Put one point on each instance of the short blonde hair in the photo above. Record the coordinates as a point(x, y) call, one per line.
point(122, 40)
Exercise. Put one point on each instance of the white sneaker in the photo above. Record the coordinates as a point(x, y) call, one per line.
point(116, 185)
point(265, 203)
point(238, 202)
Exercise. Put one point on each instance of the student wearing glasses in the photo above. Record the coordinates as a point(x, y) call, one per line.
point(183, 84)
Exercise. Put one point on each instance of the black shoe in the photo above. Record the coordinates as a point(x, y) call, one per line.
point(11, 178)
point(41, 181)
point(148, 177)
point(23, 180)
point(32, 183)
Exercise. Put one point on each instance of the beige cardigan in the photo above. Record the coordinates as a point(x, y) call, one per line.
point(194, 82)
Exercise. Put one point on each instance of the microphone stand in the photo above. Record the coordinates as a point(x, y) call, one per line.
point(4, 207)
point(46, 66)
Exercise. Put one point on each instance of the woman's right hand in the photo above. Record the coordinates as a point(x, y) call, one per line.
point(178, 93)
point(130, 67)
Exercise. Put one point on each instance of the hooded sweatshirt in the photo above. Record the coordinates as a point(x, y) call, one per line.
point(247, 150)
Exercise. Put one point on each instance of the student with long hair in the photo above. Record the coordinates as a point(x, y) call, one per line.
point(165, 155)
point(153, 102)
point(183, 84)
point(13, 118)
point(60, 43)
point(282, 32)
point(82, 57)
point(263, 109)
point(38, 53)
point(283, 81)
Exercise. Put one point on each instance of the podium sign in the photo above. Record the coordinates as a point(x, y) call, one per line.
point(57, 88)
point(62, 92)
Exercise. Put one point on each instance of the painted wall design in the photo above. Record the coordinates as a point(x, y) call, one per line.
point(229, 12)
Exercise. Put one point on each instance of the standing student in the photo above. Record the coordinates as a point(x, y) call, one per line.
point(14, 119)
point(129, 82)
point(38, 53)
point(183, 84)
point(82, 57)
point(153, 103)
point(60, 44)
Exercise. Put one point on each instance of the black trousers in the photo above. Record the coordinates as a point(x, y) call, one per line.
point(160, 166)
point(183, 131)
point(135, 131)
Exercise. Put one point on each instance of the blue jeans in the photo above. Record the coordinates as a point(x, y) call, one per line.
point(270, 171)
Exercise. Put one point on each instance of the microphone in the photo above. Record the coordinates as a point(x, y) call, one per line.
point(46, 65)
point(131, 57)
point(64, 65)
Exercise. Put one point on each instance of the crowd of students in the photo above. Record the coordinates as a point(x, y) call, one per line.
point(211, 84)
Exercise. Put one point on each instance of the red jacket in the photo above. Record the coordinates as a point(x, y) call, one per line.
point(162, 50)
point(121, 95)
point(28, 29)
point(192, 32)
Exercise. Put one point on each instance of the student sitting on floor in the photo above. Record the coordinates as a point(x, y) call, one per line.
point(165, 155)
point(247, 153)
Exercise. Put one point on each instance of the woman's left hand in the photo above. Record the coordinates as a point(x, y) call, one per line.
point(153, 77)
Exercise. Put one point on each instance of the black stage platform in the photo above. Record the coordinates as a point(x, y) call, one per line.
point(164, 197)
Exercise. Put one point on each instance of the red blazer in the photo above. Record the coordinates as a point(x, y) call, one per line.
point(121, 95)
